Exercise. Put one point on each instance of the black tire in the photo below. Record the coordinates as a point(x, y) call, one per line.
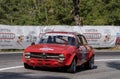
point(90, 64)
point(26, 66)
point(72, 68)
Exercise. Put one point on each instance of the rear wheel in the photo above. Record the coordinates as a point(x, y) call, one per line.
point(72, 68)
point(90, 63)
point(26, 66)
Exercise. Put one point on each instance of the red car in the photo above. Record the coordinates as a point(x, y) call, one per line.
point(59, 50)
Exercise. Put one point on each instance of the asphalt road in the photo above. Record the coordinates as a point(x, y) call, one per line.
point(107, 66)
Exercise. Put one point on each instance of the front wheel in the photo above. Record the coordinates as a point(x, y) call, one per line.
point(72, 68)
point(90, 63)
point(26, 66)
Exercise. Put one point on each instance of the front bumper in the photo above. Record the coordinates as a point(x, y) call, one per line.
point(45, 63)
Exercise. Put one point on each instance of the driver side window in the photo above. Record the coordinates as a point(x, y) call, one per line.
point(84, 40)
point(79, 40)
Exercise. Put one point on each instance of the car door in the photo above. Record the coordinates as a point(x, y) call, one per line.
point(82, 54)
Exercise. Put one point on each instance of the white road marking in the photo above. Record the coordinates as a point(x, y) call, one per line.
point(97, 60)
point(15, 67)
point(107, 60)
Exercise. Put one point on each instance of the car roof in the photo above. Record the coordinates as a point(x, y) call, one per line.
point(74, 33)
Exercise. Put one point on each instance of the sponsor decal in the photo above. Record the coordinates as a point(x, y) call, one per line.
point(7, 35)
point(46, 49)
point(93, 35)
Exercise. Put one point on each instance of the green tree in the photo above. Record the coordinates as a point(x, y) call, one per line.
point(59, 12)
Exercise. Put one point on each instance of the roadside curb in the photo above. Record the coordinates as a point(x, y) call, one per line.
point(106, 51)
point(10, 52)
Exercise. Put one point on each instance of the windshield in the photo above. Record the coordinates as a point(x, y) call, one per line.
point(58, 39)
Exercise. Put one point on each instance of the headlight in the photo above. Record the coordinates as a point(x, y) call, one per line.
point(27, 55)
point(61, 57)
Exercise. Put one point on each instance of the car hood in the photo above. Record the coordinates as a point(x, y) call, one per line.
point(49, 48)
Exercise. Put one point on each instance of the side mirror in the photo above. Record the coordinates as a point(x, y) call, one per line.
point(33, 43)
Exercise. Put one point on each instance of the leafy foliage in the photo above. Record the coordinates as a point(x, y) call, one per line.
point(59, 12)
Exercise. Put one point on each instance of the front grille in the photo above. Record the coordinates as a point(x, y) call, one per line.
point(45, 55)
point(35, 55)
